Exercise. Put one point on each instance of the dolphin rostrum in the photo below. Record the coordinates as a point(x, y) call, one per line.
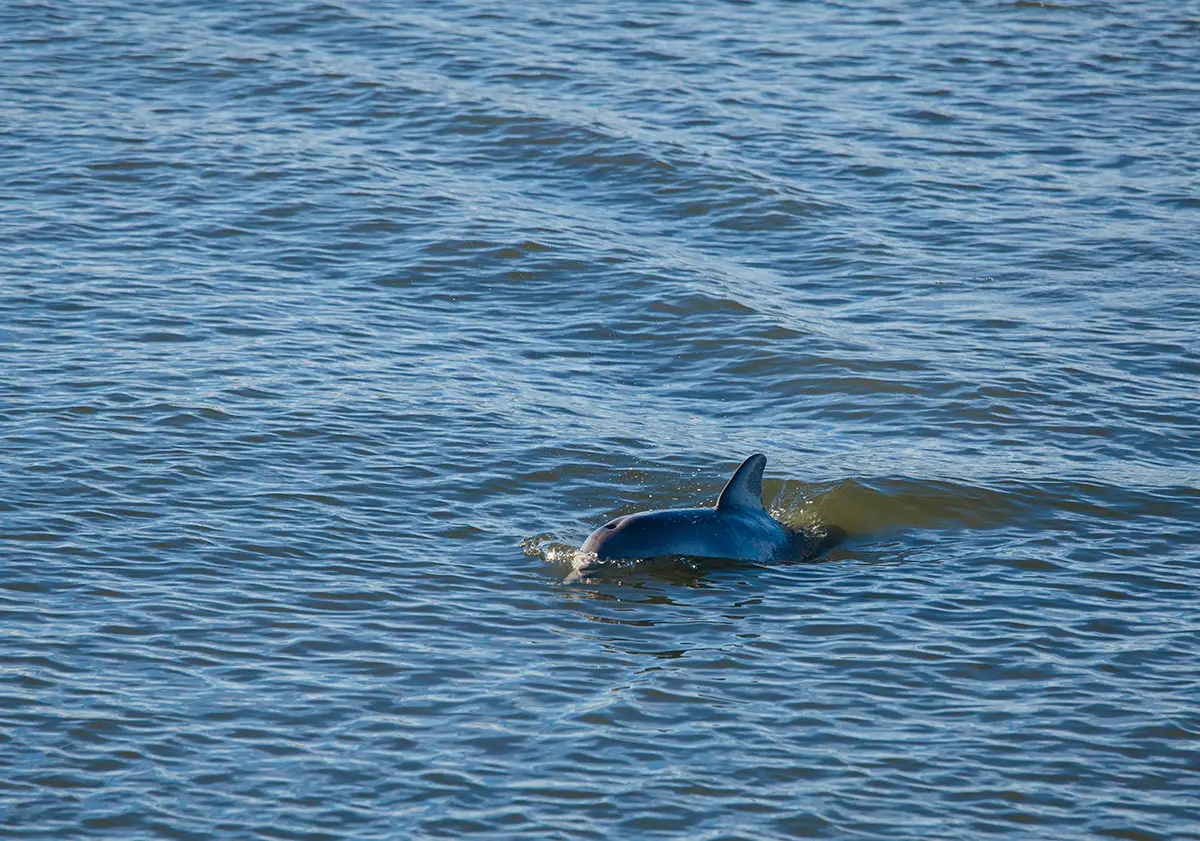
point(738, 528)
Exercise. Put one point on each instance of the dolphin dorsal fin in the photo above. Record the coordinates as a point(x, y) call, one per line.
point(744, 489)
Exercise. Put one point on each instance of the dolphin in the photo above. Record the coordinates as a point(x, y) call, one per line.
point(737, 528)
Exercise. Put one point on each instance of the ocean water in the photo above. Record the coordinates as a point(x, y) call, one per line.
point(327, 330)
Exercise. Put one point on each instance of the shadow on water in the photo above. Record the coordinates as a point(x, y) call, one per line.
point(868, 507)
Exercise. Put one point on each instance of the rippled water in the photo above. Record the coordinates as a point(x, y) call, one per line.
point(326, 329)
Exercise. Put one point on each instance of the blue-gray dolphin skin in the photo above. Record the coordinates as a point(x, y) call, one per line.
point(737, 528)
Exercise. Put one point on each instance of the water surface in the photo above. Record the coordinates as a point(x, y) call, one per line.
point(324, 328)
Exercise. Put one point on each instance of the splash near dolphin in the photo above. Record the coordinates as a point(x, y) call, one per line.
point(736, 528)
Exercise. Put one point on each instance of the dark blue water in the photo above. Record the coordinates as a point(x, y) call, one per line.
point(327, 330)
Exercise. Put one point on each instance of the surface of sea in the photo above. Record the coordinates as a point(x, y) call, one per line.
point(326, 330)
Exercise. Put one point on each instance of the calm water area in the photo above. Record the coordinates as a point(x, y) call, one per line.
point(328, 329)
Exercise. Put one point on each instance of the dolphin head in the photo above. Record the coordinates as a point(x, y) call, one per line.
point(613, 539)
point(644, 535)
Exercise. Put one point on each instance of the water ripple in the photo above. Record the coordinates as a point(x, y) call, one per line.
point(328, 332)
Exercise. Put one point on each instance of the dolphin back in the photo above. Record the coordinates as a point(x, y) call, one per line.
point(744, 489)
